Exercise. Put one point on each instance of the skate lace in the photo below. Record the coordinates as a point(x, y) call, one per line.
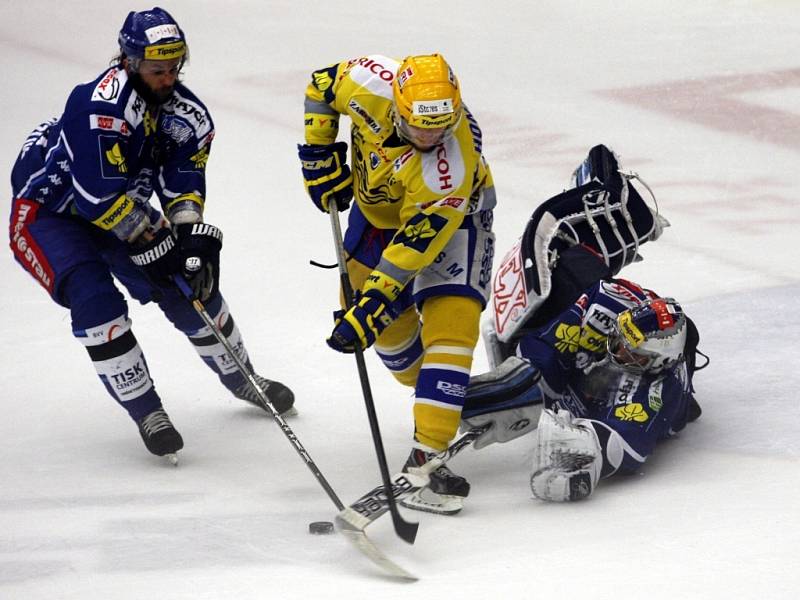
point(245, 391)
point(156, 421)
point(444, 473)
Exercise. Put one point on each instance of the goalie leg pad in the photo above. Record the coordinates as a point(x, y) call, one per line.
point(510, 385)
point(507, 397)
point(567, 458)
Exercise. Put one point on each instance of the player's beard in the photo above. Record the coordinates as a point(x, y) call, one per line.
point(150, 95)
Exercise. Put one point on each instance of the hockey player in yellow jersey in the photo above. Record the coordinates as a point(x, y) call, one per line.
point(419, 239)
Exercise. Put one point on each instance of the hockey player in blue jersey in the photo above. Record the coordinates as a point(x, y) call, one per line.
point(81, 214)
point(614, 361)
point(615, 380)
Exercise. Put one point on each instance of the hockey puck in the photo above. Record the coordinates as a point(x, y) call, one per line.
point(320, 527)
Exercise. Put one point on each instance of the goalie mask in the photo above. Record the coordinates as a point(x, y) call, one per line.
point(649, 337)
point(427, 101)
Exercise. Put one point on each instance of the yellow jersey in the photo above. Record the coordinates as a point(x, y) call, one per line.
point(423, 195)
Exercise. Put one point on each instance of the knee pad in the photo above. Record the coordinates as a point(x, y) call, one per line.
point(452, 321)
point(400, 347)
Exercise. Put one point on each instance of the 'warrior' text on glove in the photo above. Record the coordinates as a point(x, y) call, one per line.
point(199, 245)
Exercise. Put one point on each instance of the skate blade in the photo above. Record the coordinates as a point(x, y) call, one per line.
point(426, 500)
point(290, 412)
point(172, 459)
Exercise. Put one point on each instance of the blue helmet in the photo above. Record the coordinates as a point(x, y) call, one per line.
point(152, 35)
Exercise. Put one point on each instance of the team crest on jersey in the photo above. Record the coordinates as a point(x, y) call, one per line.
point(177, 129)
point(191, 112)
point(112, 157)
point(420, 231)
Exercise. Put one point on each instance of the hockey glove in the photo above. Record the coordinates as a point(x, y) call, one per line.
point(362, 324)
point(198, 257)
point(327, 176)
point(157, 255)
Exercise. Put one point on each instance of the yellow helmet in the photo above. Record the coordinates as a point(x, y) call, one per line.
point(426, 93)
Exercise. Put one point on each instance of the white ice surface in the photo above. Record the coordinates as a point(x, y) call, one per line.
point(698, 97)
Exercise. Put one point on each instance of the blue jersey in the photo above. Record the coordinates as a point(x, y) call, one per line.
point(110, 151)
point(570, 352)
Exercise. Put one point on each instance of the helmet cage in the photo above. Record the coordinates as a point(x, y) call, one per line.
point(424, 137)
point(649, 337)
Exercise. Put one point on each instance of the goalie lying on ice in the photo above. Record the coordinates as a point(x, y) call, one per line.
point(614, 360)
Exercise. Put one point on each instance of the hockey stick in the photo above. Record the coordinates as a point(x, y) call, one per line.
point(376, 502)
point(406, 530)
point(186, 290)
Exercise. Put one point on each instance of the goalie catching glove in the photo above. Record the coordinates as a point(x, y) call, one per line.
point(327, 176)
point(370, 314)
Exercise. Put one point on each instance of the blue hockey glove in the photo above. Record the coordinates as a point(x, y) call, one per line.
point(198, 247)
point(157, 255)
point(326, 174)
point(362, 324)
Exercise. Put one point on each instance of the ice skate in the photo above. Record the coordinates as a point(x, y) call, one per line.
point(445, 492)
point(281, 397)
point(160, 436)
